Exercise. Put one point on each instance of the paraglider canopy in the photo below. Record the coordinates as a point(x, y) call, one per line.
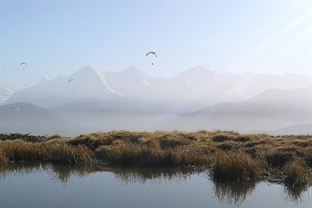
point(151, 53)
point(70, 80)
point(16, 108)
point(23, 63)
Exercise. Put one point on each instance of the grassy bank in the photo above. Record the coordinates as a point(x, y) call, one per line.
point(229, 156)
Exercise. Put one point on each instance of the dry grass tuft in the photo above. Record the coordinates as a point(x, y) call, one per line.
point(19, 150)
point(234, 167)
point(59, 151)
point(297, 174)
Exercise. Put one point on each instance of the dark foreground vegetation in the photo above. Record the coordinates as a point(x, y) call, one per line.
point(229, 156)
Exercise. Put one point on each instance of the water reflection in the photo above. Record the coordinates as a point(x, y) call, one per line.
point(20, 168)
point(59, 171)
point(228, 194)
point(234, 193)
point(63, 172)
point(294, 195)
point(143, 175)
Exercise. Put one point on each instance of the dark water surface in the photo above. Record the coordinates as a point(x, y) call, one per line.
point(83, 186)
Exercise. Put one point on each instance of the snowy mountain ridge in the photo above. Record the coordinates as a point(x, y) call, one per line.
point(192, 89)
point(89, 101)
point(7, 91)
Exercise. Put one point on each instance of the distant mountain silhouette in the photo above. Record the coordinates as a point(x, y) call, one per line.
point(27, 118)
point(198, 98)
point(265, 112)
point(191, 90)
point(298, 129)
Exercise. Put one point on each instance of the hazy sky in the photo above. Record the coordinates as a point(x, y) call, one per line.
point(59, 37)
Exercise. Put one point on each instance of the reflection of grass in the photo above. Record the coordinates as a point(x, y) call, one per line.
point(65, 172)
point(294, 195)
point(231, 193)
point(231, 156)
point(142, 175)
point(234, 193)
point(23, 168)
point(62, 172)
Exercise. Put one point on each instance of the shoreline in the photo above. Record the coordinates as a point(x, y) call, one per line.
point(229, 156)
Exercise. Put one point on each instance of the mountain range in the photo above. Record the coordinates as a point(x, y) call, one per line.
point(7, 91)
point(265, 112)
point(198, 98)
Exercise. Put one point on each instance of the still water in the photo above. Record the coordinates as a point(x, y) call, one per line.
point(48, 185)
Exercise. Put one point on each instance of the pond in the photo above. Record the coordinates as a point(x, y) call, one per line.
point(52, 185)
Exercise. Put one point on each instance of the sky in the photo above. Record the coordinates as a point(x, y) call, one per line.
point(59, 37)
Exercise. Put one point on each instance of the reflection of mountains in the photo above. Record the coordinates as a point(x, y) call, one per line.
point(233, 194)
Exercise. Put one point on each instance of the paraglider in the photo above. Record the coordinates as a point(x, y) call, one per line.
point(71, 81)
point(25, 64)
point(152, 52)
point(16, 109)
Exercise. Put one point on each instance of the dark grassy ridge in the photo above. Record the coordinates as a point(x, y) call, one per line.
point(229, 156)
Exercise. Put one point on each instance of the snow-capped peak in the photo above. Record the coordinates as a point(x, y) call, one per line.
point(7, 91)
point(89, 73)
point(197, 73)
point(44, 79)
point(132, 71)
point(86, 70)
point(105, 82)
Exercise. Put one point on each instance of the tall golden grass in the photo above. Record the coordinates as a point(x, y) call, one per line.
point(54, 150)
point(229, 155)
point(297, 174)
point(235, 167)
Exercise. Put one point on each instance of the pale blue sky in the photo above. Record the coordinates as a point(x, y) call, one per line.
point(59, 37)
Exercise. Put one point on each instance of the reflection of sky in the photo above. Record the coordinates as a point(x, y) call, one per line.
point(240, 36)
point(104, 189)
point(273, 195)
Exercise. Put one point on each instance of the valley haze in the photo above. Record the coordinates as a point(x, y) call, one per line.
point(196, 99)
